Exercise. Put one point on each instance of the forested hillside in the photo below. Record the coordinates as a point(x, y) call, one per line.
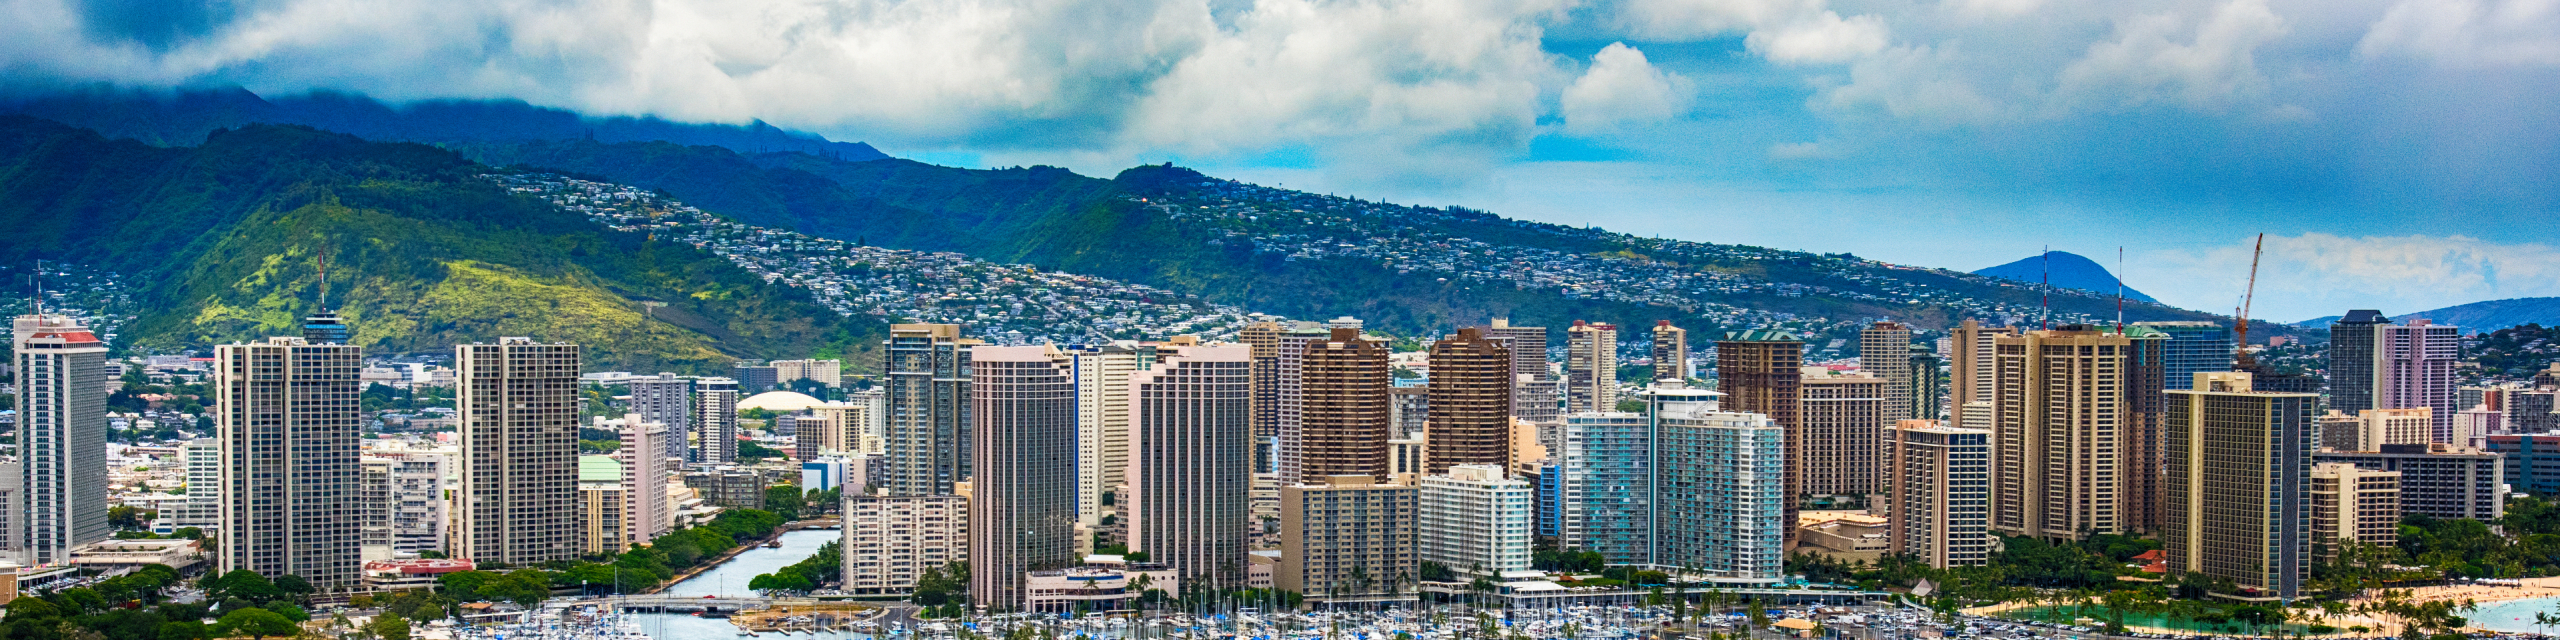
point(224, 242)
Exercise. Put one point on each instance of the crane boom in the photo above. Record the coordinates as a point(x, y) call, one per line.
point(2248, 296)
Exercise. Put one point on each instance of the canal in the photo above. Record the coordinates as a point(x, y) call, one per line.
point(730, 579)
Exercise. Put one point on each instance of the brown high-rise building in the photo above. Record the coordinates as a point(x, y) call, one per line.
point(1762, 372)
point(1884, 351)
point(1190, 474)
point(1591, 367)
point(2061, 414)
point(1970, 372)
point(1022, 499)
point(517, 406)
point(1343, 422)
point(1470, 417)
point(288, 424)
point(1670, 352)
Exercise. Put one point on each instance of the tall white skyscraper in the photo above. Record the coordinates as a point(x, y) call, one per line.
point(1102, 423)
point(666, 399)
point(644, 477)
point(1591, 367)
point(62, 437)
point(715, 421)
point(286, 411)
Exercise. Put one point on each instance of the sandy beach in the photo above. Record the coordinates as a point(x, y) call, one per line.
point(2380, 625)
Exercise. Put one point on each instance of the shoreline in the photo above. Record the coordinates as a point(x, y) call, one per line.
point(2381, 625)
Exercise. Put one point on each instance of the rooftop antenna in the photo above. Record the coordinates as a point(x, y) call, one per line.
point(2047, 288)
point(2119, 289)
point(38, 281)
point(324, 276)
point(2246, 297)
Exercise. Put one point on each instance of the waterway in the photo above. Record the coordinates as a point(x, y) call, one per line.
point(2513, 615)
point(730, 579)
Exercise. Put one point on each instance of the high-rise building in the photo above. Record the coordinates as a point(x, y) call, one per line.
point(2237, 493)
point(889, 542)
point(1718, 487)
point(61, 437)
point(1973, 372)
point(203, 457)
point(2193, 347)
point(1763, 372)
point(1343, 425)
point(754, 377)
point(1102, 422)
point(666, 399)
point(2349, 504)
point(927, 430)
point(1190, 471)
point(2058, 457)
point(2353, 360)
point(1928, 393)
point(715, 421)
point(2144, 400)
point(1347, 538)
point(2413, 367)
point(1845, 434)
point(826, 372)
point(286, 411)
point(13, 506)
point(1279, 362)
point(413, 496)
point(1474, 519)
point(517, 409)
point(644, 477)
point(1533, 388)
point(2453, 482)
point(1604, 498)
point(604, 506)
point(1591, 367)
point(1409, 409)
point(1470, 403)
point(1670, 352)
point(1022, 500)
point(1884, 351)
point(1941, 493)
point(2373, 428)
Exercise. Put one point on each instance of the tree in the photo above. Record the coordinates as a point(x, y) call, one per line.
point(289, 610)
point(257, 623)
point(388, 627)
point(294, 585)
point(785, 500)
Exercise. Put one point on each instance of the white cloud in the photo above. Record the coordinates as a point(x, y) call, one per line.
point(2156, 58)
point(1823, 38)
point(1783, 31)
point(1621, 89)
point(2468, 33)
point(1921, 84)
point(2317, 274)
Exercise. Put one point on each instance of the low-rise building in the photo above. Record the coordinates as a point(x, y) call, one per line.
point(399, 575)
point(604, 503)
point(178, 553)
point(1844, 532)
point(1095, 588)
point(1475, 520)
point(1347, 539)
point(890, 541)
point(728, 486)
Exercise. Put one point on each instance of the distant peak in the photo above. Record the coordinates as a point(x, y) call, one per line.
point(2067, 270)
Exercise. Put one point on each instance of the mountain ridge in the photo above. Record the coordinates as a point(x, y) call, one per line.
point(2483, 316)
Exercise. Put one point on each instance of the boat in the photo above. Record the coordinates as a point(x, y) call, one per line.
point(775, 544)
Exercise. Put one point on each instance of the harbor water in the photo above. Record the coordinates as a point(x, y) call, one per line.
point(730, 579)
point(2515, 616)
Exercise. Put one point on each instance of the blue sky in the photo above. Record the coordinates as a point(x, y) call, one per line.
point(2400, 154)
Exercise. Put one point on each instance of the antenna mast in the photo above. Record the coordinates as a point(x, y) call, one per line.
point(38, 281)
point(2119, 290)
point(324, 275)
point(2248, 296)
point(2046, 287)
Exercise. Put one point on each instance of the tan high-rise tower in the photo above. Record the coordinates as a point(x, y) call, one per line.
point(518, 410)
point(286, 416)
point(1762, 372)
point(1344, 425)
point(1470, 417)
point(2059, 463)
point(2236, 500)
point(1670, 352)
point(1971, 373)
point(1845, 439)
point(1884, 351)
point(926, 431)
point(1591, 367)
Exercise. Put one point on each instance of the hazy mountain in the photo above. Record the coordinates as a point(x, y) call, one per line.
point(2069, 271)
point(2486, 315)
point(183, 118)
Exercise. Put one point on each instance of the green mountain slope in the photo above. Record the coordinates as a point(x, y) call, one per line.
point(1144, 226)
point(226, 239)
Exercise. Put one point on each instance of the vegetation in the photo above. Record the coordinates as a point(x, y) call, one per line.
point(825, 567)
point(946, 584)
point(228, 237)
point(2515, 353)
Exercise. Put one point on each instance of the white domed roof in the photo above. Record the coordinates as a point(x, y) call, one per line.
point(783, 401)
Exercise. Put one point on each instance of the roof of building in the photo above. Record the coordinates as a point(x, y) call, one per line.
point(599, 469)
point(779, 401)
point(1761, 335)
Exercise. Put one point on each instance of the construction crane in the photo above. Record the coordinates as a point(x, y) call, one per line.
point(2241, 347)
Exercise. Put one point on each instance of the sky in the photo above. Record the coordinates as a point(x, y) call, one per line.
point(2397, 154)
